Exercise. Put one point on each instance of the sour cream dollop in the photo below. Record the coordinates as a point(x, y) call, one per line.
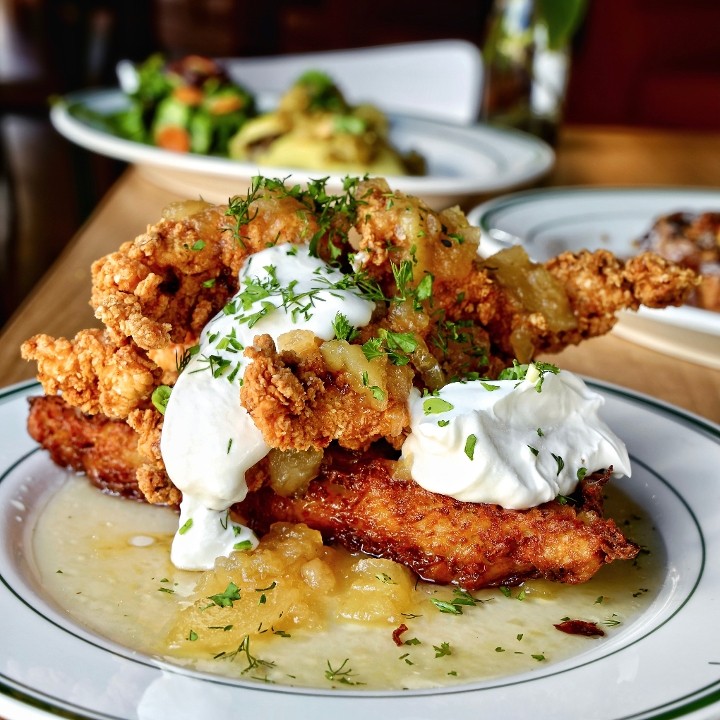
point(209, 440)
point(513, 443)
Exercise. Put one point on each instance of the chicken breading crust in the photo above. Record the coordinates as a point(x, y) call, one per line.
point(357, 502)
point(104, 449)
point(297, 403)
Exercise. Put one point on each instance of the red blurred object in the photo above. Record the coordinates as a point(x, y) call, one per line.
point(652, 63)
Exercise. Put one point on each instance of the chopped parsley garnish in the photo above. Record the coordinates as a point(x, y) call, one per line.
point(446, 607)
point(253, 662)
point(612, 621)
point(505, 590)
point(343, 329)
point(442, 650)
point(397, 346)
point(227, 597)
point(519, 371)
point(470, 446)
point(436, 405)
point(261, 296)
point(181, 362)
point(186, 526)
point(341, 674)
point(460, 599)
point(325, 207)
point(160, 397)
point(377, 392)
point(373, 349)
point(403, 275)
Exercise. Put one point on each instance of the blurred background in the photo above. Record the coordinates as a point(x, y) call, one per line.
point(648, 63)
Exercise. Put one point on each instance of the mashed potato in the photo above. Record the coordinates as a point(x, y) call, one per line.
point(315, 128)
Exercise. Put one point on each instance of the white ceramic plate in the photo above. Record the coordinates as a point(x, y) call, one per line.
point(665, 664)
point(463, 161)
point(548, 222)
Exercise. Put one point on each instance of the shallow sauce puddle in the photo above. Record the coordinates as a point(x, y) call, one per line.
point(105, 561)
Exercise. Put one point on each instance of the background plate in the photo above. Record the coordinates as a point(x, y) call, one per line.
point(464, 162)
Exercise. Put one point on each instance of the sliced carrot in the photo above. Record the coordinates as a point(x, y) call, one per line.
point(225, 105)
point(172, 137)
point(188, 95)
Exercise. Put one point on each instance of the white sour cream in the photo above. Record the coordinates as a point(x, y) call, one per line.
point(208, 439)
point(504, 442)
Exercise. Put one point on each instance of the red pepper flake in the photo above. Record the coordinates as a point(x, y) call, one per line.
point(580, 627)
point(397, 632)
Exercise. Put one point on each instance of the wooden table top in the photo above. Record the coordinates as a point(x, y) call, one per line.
point(586, 156)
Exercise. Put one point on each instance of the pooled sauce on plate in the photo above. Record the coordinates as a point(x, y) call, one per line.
point(106, 562)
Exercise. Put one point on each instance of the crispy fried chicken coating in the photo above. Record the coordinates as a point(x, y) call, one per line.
point(94, 372)
point(392, 227)
point(298, 403)
point(172, 279)
point(120, 457)
point(528, 309)
point(357, 502)
point(104, 449)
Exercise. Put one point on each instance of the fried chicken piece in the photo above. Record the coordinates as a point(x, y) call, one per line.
point(527, 308)
point(105, 450)
point(357, 502)
point(156, 293)
point(151, 477)
point(93, 372)
point(392, 227)
point(172, 279)
point(600, 286)
point(298, 403)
